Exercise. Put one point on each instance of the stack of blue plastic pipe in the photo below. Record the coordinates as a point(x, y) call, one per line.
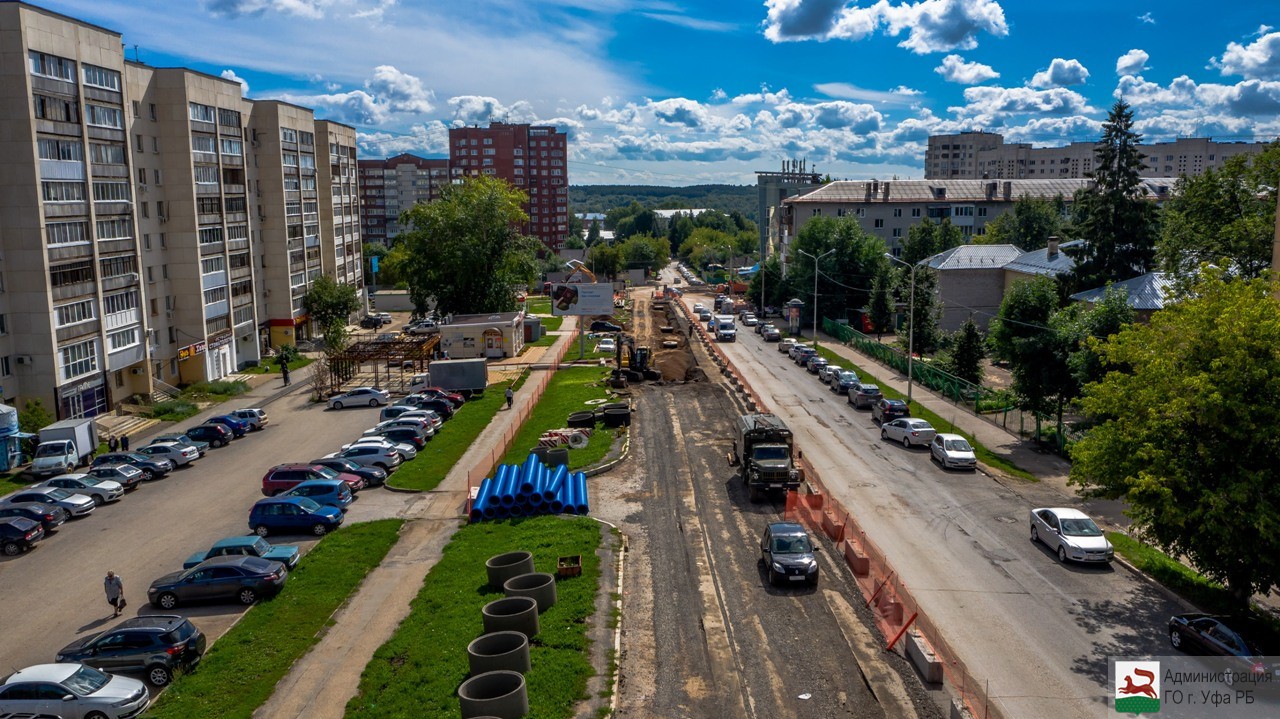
point(521, 490)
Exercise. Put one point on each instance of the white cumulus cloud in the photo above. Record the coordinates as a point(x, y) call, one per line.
point(930, 25)
point(1061, 73)
point(478, 110)
point(401, 92)
point(1132, 62)
point(955, 69)
point(1259, 59)
point(232, 76)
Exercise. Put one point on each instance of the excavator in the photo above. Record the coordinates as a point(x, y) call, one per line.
point(632, 363)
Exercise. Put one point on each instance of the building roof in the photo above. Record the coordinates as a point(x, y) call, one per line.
point(953, 191)
point(668, 214)
point(502, 318)
point(1146, 292)
point(974, 257)
point(1038, 262)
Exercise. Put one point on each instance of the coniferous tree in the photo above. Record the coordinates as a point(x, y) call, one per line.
point(880, 310)
point(968, 354)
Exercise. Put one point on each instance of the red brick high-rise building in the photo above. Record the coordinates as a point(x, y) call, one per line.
point(532, 158)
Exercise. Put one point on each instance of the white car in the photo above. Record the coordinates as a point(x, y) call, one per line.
point(607, 345)
point(699, 308)
point(100, 491)
point(360, 396)
point(422, 424)
point(953, 451)
point(750, 321)
point(427, 414)
point(179, 454)
point(257, 418)
point(371, 455)
point(72, 691)
point(830, 372)
point(406, 451)
point(1071, 534)
point(909, 431)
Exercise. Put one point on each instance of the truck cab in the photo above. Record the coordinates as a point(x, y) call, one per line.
point(55, 457)
point(726, 330)
point(765, 457)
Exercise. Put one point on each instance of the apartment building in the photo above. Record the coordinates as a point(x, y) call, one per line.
point(157, 226)
point(985, 155)
point(533, 158)
point(391, 186)
point(889, 209)
point(774, 187)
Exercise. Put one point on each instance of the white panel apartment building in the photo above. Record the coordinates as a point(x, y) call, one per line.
point(136, 219)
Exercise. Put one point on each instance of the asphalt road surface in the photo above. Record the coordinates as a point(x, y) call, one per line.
point(53, 593)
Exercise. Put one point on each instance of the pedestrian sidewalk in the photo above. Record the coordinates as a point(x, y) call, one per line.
point(319, 685)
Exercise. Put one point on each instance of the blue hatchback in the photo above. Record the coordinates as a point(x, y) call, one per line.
point(293, 515)
point(238, 427)
point(329, 492)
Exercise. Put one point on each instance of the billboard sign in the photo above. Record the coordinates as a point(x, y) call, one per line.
point(582, 299)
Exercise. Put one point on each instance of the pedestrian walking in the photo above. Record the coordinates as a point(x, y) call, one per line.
point(284, 372)
point(112, 443)
point(115, 592)
point(511, 395)
point(124, 443)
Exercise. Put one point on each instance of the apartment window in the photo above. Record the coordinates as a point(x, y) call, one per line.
point(4, 366)
point(307, 162)
point(293, 208)
point(102, 77)
point(56, 108)
point(212, 264)
point(309, 183)
point(208, 205)
point(518, 151)
point(156, 174)
point(137, 143)
point(62, 191)
point(236, 204)
point(242, 288)
point(291, 183)
point(155, 144)
point(209, 235)
point(897, 232)
point(73, 313)
point(51, 66)
point(110, 191)
point(228, 118)
point(146, 239)
point(201, 113)
point(122, 339)
point(915, 212)
point(153, 111)
point(239, 260)
point(62, 150)
point(101, 154)
point(72, 273)
point(118, 266)
point(206, 174)
point(100, 116)
point(288, 134)
point(120, 302)
point(204, 143)
point(232, 147)
point(4, 327)
point(879, 223)
point(306, 138)
point(137, 109)
point(237, 232)
point(79, 359)
point(115, 229)
point(897, 212)
point(243, 314)
point(982, 212)
point(151, 277)
point(290, 159)
point(215, 294)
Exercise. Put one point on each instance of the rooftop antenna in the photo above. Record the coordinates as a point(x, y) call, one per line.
point(135, 54)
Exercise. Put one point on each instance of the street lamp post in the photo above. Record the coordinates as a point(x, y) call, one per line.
point(911, 324)
point(815, 291)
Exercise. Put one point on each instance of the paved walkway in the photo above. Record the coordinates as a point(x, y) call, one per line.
point(319, 685)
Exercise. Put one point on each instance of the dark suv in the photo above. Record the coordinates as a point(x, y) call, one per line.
point(787, 554)
point(864, 396)
point(50, 516)
point(156, 645)
point(887, 410)
point(152, 467)
point(215, 434)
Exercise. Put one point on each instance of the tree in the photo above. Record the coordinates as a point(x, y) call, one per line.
point(1079, 325)
point(593, 234)
point(1188, 438)
point(1118, 224)
point(575, 243)
point(678, 230)
point(768, 288)
point(844, 279)
point(1022, 336)
point(643, 252)
point(922, 242)
point(968, 353)
point(921, 333)
point(604, 261)
point(34, 416)
point(330, 305)
point(1027, 226)
point(464, 252)
point(880, 309)
point(1225, 217)
point(947, 236)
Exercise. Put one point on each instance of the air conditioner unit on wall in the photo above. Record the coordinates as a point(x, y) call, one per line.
point(137, 370)
point(23, 359)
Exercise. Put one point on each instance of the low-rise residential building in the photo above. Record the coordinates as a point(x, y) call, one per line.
point(971, 280)
point(492, 336)
point(1146, 294)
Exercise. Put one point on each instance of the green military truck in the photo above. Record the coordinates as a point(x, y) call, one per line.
point(765, 458)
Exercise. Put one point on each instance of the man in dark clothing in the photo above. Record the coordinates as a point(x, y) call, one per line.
point(511, 395)
point(124, 443)
point(284, 373)
point(112, 444)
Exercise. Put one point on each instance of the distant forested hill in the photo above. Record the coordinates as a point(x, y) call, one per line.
point(726, 198)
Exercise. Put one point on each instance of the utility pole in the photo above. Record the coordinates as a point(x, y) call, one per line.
point(815, 291)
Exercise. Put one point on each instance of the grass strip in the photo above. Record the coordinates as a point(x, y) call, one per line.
point(270, 366)
point(416, 674)
point(537, 306)
point(240, 670)
point(14, 481)
point(428, 469)
point(566, 393)
point(984, 455)
point(1183, 580)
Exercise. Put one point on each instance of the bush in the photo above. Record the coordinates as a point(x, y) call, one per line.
point(996, 402)
point(174, 410)
point(221, 387)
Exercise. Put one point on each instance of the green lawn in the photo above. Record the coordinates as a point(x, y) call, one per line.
point(13, 481)
point(444, 450)
point(537, 305)
point(274, 367)
point(185, 405)
point(1185, 581)
point(416, 674)
point(240, 670)
point(566, 393)
point(984, 455)
point(552, 324)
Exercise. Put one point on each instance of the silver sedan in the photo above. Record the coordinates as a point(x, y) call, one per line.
point(359, 397)
point(909, 431)
point(1071, 534)
point(100, 491)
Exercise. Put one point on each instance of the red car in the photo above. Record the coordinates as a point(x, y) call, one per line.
point(284, 477)
point(454, 398)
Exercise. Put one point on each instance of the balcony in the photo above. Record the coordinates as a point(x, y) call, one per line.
point(121, 320)
point(80, 329)
point(233, 161)
point(99, 170)
point(61, 210)
point(112, 247)
point(211, 248)
point(79, 289)
point(119, 282)
point(240, 244)
point(207, 190)
point(70, 251)
point(240, 273)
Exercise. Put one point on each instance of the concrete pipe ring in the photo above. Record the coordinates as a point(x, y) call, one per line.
point(501, 694)
point(539, 586)
point(502, 567)
point(499, 651)
point(513, 614)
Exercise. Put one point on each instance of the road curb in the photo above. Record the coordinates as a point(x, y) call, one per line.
point(626, 449)
point(1167, 592)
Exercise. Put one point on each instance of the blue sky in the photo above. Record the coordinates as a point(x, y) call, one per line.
point(681, 92)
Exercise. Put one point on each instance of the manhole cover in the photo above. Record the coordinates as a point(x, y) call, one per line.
point(868, 484)
point(596, 401)
point(1006, 520)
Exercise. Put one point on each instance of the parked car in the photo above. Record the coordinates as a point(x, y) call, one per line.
point(248, 545)
point(787, 554)
point(293, 514)
point(440, 406)
point(430, 415)
point(953, 451)
point(815, 364)
point(863, 395)
point(370, 396)
point(771, 334)
point(760, 327)
point(698, 307)
point(885, 410)
point(326, 492)
point(607, 345)
point(604, 326)
point(179, 455)
point(217, 435)
point(422, 327)
point(77, 505)
point(78, 692)
point(50, 516)
point(803, 354)
point(19, 534)
point(750, 321)
point(100, 491)
point(910, 432)
point(125, 475)
point(373, 476)
point(454, 399)
point(257, 418)
point(152, 467)
point(284, 477)
point(402, 435)
point(382, 456)
point(1242, 639)
point(394, 411)
point(183, 439)
point(1071, 534)
point(238, 427)
point(829, 373)
point(406, 451)
point(793, 348)
point(242, 579)
point(843, 382)
point(371, 322)
point(155, 645)
point(422, 425)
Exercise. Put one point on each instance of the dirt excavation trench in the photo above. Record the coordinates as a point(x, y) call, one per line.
point(669, 349)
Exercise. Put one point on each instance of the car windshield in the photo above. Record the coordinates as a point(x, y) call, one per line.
point(344, 463)
point(326, 472)
point(918, 424)
point(90, 481)
point(1083, 527)
point(86, 681)
point(958, 445)
point(136, 457)
point(261, 546)
point(848, 377)
point(791, 545)
point(769, 453)
point(59, 494)
point(308, 505)
point(51, 450)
